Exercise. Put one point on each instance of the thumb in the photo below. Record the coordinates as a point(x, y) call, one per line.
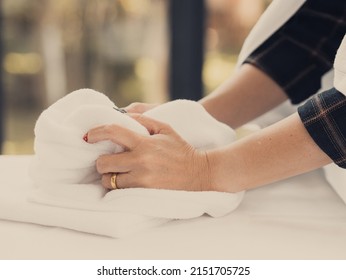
point(139, 108)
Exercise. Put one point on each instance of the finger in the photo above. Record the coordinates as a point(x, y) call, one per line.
point(116, 163)
point(123, 181)
point(153, 126)
point(115, 133)
point(139, 108)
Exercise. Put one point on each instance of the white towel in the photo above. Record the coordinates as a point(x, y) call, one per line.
point(15, 206)
point(65, 176)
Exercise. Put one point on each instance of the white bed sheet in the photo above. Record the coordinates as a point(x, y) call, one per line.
point(299, 218)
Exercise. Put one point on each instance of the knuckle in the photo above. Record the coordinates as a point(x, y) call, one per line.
point(109, 130)
point(105, 181)
point(164, 128)
point(167, 126)
point(100, 165)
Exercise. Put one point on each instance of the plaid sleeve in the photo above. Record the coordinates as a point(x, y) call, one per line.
point(324, 117)
point(303, 49)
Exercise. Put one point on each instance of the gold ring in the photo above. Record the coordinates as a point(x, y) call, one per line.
point(114, 181)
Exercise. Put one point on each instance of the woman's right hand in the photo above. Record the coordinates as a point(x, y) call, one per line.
point(139, 108)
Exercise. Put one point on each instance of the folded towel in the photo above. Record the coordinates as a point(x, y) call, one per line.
point(15, 206)
point(65, 176)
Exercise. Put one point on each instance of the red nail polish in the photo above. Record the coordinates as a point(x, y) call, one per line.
point(85, 137)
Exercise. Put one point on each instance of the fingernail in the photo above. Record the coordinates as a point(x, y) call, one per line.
point(85, 137)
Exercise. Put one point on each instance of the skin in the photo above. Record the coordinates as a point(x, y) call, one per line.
point(243, 97)
point(161, 160)
point(165, 160)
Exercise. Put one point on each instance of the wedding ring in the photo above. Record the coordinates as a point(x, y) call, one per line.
point(114, 181)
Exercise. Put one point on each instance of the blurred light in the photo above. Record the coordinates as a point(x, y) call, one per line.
point(22, 63)
point(135, 6)
point(217, 68)
point(18, 147)
point(146, 69)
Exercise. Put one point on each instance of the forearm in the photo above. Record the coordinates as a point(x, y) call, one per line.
point(245, 96)
point(277, 152)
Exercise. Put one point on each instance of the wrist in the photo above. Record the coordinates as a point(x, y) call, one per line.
point(225, 170)
point(201, 173)
point(210, 179)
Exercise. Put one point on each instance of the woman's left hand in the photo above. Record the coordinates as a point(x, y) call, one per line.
point(162, 160)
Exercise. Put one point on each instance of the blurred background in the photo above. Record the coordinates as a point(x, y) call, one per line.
point(131, 50)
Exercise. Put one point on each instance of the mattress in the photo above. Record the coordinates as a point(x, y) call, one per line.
point(298, 218)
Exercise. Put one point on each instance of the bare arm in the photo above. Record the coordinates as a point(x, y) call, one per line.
point(277, 152)
point(243, 97)
point(164, 160)
point(280, 151)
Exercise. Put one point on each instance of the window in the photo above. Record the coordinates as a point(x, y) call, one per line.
point(118, 47)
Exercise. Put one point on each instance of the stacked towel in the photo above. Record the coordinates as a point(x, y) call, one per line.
point(65, 176)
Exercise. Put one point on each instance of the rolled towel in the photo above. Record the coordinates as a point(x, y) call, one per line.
point(65, 175)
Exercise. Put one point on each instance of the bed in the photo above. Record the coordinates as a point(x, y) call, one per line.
point(298, 218)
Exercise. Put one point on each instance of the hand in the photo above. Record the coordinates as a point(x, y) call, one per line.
point(161, 160)
point(139, 108)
